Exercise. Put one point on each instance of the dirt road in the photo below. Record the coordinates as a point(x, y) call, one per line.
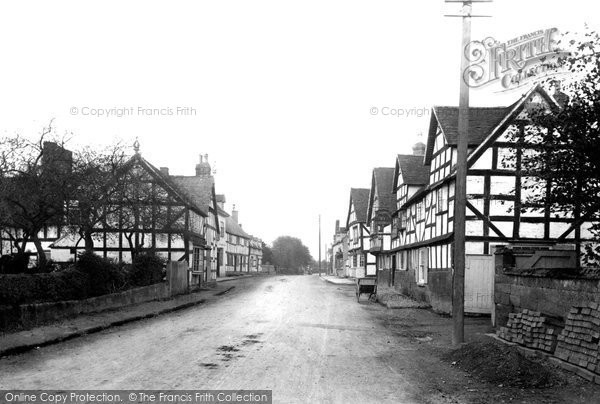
point(307, 340)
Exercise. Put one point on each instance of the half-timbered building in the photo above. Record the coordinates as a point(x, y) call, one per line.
point(238, 244)
point(172, 216)
point(382, 205)
point(496, 209)
point(360, 262)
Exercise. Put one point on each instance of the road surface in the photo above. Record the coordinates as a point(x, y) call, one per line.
point(307, 340)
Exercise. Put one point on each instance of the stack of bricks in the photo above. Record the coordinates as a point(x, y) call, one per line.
point(530, 329)
point(579, 342)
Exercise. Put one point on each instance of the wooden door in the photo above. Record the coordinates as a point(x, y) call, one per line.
point(479, 284)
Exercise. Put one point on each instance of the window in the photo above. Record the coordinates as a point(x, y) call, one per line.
point(354, 259)
point(362, 260)
point(196, 260)
point(422, 266)
point(403, 220)
point(400, 260)
point(355, 235)
point(442, 199)
point(420, 211)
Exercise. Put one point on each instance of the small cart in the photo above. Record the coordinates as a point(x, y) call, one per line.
point(366, 285)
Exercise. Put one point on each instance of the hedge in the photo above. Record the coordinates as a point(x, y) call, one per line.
point(90, 276)
point(69, 284)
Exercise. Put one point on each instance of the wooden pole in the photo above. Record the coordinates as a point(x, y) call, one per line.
point(319, 245)
point(458, 279)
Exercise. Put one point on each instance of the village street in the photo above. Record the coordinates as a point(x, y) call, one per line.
point(306, 339)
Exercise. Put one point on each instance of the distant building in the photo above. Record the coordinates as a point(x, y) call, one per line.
point(339, 251)
point(382, 205)
point(360, 263)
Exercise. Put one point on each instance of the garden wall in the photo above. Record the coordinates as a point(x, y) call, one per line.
point(521, 283)
point(30, 315)
point(543, 301)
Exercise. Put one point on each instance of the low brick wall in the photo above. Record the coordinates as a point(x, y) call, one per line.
point(554, 297)
point(552, 289)
point(29, 315)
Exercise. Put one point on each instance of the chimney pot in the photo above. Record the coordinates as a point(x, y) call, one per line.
point(419, 149)
point(203, 167)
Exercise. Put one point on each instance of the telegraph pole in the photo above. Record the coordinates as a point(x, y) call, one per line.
point(319, 245)
point(460, 193)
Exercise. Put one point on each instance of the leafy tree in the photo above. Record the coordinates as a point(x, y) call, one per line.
point(290, 253)
point(267, 254)
point(564, 163)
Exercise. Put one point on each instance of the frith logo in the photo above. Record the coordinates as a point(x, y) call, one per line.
point(513, 63)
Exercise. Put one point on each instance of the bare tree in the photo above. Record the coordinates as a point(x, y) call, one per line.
point(35, 180)
point(92, 203)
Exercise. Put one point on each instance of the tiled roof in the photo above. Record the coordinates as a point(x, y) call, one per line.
point(198, 189)
point(413, 169)
point(232, 227)
point(169, 184)
point(384, 180)
point(360, 198)
point(482, 120)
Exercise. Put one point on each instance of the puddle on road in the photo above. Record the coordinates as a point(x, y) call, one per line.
point(226, 352)
point(269, 288)
point(253, 336)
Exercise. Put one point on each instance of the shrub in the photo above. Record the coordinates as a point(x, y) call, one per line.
point(69, 284)
point(14, 264)
point(146, 269)
point(103, 275)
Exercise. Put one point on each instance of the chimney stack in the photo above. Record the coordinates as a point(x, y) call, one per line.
point(164, 170)
point(234, 214)
point(419, 149)
point(203, 167)
point(221, 201)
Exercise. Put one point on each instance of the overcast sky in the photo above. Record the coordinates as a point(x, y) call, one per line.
point(281, 91)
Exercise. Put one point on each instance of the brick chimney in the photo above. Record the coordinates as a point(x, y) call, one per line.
point(57, 157)
point(164, 170)
point(418, 149)
point(221, 201)
point(234, 214)
point(203, 167)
